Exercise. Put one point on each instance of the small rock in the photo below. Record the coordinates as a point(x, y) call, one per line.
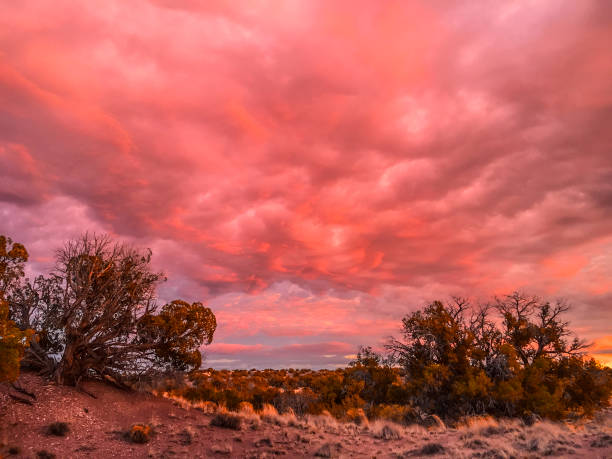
point(263, 442)
point(222, 449)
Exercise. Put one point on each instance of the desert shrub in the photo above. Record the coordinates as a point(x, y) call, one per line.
point(458, 365)
point(386, 431)
point(14, 450)
point(450, 363)
point(44, 454)
point(227, 421)
point(102, 293)
point(246, 407)
point(328, 450)
point(59, 429)
point(430, 449)
point(139, 433)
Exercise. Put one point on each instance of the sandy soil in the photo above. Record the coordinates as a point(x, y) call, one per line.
point(97, 428)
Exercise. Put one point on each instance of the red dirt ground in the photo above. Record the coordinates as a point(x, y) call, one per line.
point(97, 428)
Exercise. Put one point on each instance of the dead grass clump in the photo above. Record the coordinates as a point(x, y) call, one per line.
point(544, 438)
point(430, 449)
point(206, 407)
point(269, 414)
point(487, 426)
point(602, 441)
point(329, 450)
point(227, 421)
point(432, 421)
point(476, 443)
point(139, 433)
point(386, 431)
point(59, 429)
point(324, 422)
point(246, 407)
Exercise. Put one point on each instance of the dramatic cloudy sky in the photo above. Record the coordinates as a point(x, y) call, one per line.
point(314, 170)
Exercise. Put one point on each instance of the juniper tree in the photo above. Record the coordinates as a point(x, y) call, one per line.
point(97, 314)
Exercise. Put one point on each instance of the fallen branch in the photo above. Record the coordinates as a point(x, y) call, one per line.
point(25, 401)
point(85, 391)
point(23, 391)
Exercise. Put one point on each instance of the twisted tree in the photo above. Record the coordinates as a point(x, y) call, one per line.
point(96, 314)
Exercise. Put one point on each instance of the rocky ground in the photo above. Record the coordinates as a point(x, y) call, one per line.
point(98, 426)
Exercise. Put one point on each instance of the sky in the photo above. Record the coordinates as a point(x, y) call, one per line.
point(315, 170)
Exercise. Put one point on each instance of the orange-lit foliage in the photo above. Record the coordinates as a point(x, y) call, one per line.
point(13, 341)
point(457, 365)
point(179, 329)
point(345, 393)
point(12, 258)
point(448, 363)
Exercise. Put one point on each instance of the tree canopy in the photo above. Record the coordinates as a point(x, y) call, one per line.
point(464, 360)
point(96, 314)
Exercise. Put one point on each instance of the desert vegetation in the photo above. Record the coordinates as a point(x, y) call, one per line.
point(512, 358)
point(95, 315)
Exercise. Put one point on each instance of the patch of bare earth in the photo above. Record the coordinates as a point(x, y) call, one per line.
point(100, 427)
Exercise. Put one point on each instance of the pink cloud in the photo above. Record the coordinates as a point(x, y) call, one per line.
point(316, 169)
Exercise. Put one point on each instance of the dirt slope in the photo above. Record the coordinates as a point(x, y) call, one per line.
point(97, 429)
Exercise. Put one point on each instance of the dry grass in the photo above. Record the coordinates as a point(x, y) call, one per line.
point(386, 430)
point(269, 414)
point(506, 438)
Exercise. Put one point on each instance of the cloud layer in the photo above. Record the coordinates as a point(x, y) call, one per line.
point(313, 169)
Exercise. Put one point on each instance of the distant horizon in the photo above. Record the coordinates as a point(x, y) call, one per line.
point(313, 171)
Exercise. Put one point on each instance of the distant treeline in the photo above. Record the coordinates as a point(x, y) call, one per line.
point(513, 357)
